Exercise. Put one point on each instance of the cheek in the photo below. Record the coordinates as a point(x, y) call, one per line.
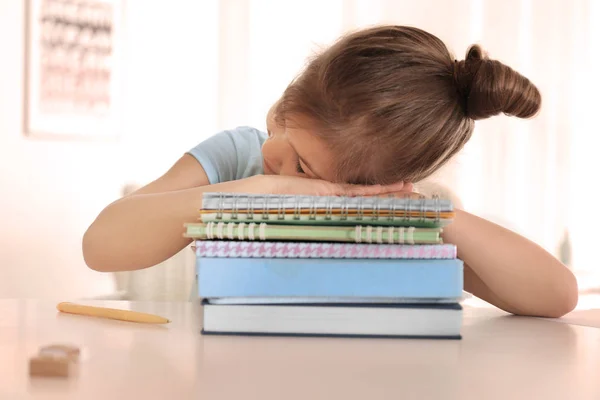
point(269, 149)
point(275, 148)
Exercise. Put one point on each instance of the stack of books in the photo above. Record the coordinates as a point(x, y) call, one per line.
point(327, 266)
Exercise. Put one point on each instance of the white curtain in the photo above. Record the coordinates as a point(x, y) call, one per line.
point(529, 175)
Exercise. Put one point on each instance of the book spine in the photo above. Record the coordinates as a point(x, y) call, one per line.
point(240, 249)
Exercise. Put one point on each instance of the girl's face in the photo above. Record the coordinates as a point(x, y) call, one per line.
point(295, 152)
point(298, 152)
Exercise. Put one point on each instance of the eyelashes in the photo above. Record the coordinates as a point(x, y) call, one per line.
point(299, 168)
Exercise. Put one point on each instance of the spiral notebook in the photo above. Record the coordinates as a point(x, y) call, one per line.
point(326, 210)
point(228, 249)
point(315, 233)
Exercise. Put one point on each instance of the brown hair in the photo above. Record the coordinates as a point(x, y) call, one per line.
point(395, 105)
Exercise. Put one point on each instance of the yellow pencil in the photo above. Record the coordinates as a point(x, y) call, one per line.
point(112, 313)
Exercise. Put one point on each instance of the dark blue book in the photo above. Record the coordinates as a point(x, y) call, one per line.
point(419, 321)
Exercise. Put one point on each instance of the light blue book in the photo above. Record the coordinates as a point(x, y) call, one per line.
point(385, 278)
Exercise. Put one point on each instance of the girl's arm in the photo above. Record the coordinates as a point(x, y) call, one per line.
point(146, 227)
point(509, 271)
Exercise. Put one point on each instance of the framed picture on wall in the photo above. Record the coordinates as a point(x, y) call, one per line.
point(73, 68)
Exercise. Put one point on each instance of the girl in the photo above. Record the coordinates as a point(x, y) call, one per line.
point(376, 111)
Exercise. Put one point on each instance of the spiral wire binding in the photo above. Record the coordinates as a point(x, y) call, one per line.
point(221, 206)
point(230, 231)
point(241, 227)
point(380, 234)
point(390, 233)
point(328, 209)
point(392, 209)
point(281, 209)
point(209, 229)
point(438, 208)
point(312, 213)
point(344, 209)
point(296, 208)
point(422, 208)
point(360, 210)
point(410, 238)
point(251, 227)
point(234, 207)
point(220, 227)
point(405, 234)
point(250, 209)
point(265, 212)
point(376, 209)
point(261, 231)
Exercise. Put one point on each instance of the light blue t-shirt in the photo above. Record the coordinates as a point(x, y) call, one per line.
point(231, 154)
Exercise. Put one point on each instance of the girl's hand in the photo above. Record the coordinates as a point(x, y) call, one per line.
point(280, 184)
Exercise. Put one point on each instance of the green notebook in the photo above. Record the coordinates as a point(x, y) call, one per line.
point(314, 233)
point(326, 210)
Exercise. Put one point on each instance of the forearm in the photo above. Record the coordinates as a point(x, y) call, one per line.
point(142, 230)
point(511, 272)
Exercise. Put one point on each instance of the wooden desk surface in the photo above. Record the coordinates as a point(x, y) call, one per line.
point(500, 357)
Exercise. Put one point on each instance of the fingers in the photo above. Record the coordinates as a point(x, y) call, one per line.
point(399, 188)
point(408, 187)
point(394, 187)
point(346, 189)
point(360, 190)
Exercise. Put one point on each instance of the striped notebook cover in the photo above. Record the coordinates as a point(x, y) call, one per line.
point(240, 249)
point(323, 233)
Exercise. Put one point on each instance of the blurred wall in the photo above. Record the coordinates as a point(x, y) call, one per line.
point(40, 220)
point(51, 190)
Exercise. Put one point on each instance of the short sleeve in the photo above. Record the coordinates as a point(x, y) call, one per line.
point(231, 154)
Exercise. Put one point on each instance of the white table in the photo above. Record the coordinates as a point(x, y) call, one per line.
point(500, 357)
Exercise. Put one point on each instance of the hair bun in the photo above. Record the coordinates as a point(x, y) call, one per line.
point(475, 53)
point(488, 87)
